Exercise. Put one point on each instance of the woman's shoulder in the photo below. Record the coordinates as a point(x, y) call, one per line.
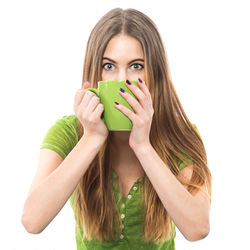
point(69, 122)
point(70, 119)
point(62, 135)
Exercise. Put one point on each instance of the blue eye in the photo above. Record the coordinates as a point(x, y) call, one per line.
point(138, 66)
point(109, 66)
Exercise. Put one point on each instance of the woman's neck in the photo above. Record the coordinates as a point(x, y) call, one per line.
point(123, 157)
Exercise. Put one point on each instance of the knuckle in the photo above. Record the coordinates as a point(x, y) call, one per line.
point(88, 92)
point(79, 90)
point(92, 120)
point(77, 94)
point(140, 123)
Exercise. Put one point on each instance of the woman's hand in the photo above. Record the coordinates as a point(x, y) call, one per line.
point(88, 109)
point(142, 118)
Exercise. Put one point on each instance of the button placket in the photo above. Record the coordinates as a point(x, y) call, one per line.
point(124, 203)
point(123, 216)
point(132, 191)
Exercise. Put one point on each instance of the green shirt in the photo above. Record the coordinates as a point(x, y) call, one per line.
point(61, 137)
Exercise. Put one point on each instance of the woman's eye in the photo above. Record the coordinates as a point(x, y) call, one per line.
point(137, 66)
point(107, 66)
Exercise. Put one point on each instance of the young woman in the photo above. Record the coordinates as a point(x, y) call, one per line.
point(128, 189)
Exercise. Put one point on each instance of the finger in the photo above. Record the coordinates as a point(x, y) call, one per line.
point(80, 93)
point(132, 102)
point(87, 97)
point(93, 103)
point(99, 110)
point(78, 97)
point(126, 111)
point(143, 86)
point(86, 85)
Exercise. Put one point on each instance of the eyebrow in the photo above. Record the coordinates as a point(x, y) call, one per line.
point(137, 59)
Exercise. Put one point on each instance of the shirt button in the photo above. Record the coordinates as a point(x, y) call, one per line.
point(129, 196)
point(122, 226)
point(135, 188)
point(122, 216)
point(123, 205)
point(121, 236)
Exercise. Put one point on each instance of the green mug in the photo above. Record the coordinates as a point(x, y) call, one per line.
point(108, 92)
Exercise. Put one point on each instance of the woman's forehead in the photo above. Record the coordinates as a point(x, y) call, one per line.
point(123, 46)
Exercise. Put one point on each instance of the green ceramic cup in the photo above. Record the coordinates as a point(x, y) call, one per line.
point(108, 92)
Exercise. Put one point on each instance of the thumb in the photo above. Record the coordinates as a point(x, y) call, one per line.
point(86, 85)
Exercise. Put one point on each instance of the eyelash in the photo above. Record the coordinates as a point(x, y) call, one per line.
point(113, 65)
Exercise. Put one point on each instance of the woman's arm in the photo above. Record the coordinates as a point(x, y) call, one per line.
point(190, 213)
point(46, 199)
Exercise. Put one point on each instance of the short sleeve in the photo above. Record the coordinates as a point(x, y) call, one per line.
point(181, 164)
point(62, 136)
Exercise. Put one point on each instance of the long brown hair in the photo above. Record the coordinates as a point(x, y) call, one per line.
point(172, 135)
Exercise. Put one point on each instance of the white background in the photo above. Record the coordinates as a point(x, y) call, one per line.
point(42, 48)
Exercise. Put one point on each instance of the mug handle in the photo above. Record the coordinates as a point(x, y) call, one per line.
point(96, 91)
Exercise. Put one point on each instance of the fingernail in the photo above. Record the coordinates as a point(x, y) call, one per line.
point(116, 103)
point(122, 90)
point(128, 82)
point(140, 80)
